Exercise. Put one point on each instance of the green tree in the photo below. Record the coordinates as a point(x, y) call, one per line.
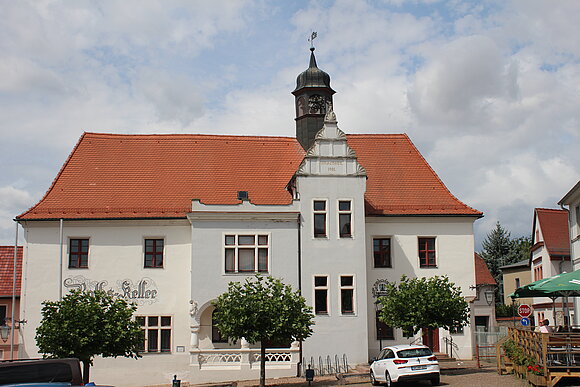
point(263, 309)
point(86, 324)
point(497, 250)
point(417, 303)
point(500, 249)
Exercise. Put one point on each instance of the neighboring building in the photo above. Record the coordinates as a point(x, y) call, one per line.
point(572, 201)
point(10, 337)
point(516, 275)
point(483, 307)
point(550, 255)
point(169, 220)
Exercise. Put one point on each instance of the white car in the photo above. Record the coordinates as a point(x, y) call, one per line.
point(403, 363)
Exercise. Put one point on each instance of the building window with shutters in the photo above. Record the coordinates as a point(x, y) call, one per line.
point(320, 218)
point(156, 333)
point(154, 253)
point(321, 294)
point(78, 253)
point(427, 256)
point(246, 253)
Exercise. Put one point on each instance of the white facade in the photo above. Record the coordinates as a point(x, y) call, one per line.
point(321, 243)
point(571, 201)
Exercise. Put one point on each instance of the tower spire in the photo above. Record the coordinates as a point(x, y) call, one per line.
point(313, 97)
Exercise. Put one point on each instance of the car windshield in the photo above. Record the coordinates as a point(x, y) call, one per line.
point(414, 352)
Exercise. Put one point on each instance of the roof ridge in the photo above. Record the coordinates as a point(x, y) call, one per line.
point(550, 209)
point(188, 135)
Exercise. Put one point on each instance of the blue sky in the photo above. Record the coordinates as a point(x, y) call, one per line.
point(489, 91)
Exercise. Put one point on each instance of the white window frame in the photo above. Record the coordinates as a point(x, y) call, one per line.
point(236, 246)
point(144, 249)
point(341, 288)
point(349, 212)
point(159, 328)
point(325, 212)
point(315, 288)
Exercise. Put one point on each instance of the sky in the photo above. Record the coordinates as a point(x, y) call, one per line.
point(488, 91)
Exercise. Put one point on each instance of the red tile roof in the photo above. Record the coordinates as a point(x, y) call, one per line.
point(554, 226)
point(7, 270)
point(400, 181)
point(153, 176)
point(482, 273)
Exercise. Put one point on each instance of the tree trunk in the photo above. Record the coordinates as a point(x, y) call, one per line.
point(86, 369)
point(262, 363)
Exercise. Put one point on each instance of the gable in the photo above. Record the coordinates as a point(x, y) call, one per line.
point(552, 227)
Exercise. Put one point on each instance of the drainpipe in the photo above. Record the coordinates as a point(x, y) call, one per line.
point(12, 323)
point(569, 210)
point(299, 229)
point(60, 266)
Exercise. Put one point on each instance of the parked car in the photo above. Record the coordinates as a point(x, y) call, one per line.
point(403, 363)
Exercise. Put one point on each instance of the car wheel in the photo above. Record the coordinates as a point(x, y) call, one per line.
point(374, 380)
point(388, 381)
point(436, 381)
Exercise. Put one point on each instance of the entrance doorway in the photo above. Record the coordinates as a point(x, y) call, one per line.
point(431, 339)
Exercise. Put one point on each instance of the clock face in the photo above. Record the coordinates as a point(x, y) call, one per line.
point(316, 104)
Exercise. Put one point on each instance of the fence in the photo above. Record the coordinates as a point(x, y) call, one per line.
point(485, 341)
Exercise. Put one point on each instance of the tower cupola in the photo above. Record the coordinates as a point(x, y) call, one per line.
point(313, 98)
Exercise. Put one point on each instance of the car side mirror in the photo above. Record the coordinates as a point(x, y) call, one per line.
point(373, 359)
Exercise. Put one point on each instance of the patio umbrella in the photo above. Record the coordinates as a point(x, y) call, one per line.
point(561, 285)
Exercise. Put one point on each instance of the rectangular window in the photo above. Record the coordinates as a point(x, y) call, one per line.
point(321, 294)
point(384, 332)
point(154, 252)
point(2, 316)
point(78, 253)
point(427, 252)
point(319, 218)
point(382, 252)
point(347, 294)
point(344, 218)
point(156, 333)
point(246, 253)
point(538, 272)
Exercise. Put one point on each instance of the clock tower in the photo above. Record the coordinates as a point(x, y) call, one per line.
point(313, 98)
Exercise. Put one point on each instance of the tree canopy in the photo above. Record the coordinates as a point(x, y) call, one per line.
point(416, 303)
point(265, 310)
point(86, 324)
point(499, 249)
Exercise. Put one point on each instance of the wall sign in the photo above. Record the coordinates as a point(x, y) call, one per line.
point(379, 288)
point(143, 291)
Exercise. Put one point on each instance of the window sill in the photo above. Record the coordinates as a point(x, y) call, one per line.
point(383, 267)
point(76, 268)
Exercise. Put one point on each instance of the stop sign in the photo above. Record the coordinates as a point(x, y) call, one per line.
point(524, 310)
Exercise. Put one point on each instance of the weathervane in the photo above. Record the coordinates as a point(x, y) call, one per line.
point(313, 36)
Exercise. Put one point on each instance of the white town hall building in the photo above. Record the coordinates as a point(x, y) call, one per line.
point(168, 221)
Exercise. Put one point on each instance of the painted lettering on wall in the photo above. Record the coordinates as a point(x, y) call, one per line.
point(142, 292)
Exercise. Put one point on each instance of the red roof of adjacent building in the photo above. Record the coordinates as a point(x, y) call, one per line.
point(7, 270)
point(554, 226)
point(157, 176)
point(482, 274)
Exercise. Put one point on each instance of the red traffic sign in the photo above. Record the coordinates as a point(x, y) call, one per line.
point(524, 310)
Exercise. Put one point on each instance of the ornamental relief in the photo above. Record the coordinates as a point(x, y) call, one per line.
point(142, 292)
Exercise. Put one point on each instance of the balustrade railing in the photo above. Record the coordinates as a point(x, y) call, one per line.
point(244, 358)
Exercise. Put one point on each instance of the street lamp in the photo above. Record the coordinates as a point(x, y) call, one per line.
point(488, 296)
point(4, 332)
